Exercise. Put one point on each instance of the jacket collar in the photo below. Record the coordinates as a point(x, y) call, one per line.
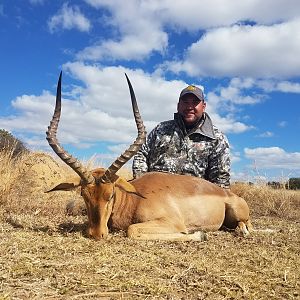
point(203, 127)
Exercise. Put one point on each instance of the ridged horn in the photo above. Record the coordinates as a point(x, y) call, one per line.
point(134, 148)
point(71, 161)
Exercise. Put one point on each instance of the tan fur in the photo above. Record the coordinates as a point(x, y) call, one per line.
point(162, 206)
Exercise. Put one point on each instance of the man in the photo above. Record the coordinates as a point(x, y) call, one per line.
point(190, 144)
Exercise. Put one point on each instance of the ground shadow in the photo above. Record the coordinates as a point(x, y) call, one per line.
point(69, 227)
point(63, 228)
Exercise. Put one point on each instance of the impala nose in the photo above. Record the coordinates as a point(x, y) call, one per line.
point(97, 234)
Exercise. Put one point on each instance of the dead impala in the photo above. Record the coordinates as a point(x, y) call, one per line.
point(154, 206)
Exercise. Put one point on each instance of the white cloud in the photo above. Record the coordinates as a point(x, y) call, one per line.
point(279, 86)
point(139, 33)
point(282, 124)
point(235, 157)
point(269, 48)
point(234, 92)
point(266, 134)
point(69, 17)
point(132, 46)
point(32, 108)
point(195, 14)
point(228, 124)
point(225, 102)
point(288, 87)
point(106, 88)
point(274, 158)
point(254, 51)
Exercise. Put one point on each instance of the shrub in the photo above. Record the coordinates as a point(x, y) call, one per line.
point(9, 172)
point(10, 144)
point(294, 184)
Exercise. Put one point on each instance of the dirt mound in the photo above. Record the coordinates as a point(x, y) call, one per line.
point(42, 171)
point(38, 173)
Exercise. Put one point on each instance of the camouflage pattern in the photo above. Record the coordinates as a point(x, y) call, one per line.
point(202, 152)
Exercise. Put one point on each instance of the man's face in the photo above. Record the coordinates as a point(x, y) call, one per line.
point(191, 109)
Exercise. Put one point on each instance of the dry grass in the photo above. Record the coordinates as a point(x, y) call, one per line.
point(45, 254)
point(9, 171)
point(266, 201)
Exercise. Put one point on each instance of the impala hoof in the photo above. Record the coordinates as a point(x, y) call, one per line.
point(200, 236)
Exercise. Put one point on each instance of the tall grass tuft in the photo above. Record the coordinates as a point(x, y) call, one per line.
point(266, 201)
point(10, 168)
point(10, 143)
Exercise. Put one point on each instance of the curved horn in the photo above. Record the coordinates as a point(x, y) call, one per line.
point(71, 161)
point(134, 148)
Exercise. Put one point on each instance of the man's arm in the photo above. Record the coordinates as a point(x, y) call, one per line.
point(140, 161)
point(219, 163)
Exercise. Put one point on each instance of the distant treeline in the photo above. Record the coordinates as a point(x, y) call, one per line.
point(291, 184)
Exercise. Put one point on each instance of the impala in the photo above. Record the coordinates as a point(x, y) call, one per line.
point(154, 206)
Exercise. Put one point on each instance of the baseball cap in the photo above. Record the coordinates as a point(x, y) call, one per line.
point(191, 89)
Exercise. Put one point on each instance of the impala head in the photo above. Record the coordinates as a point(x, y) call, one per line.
point(98, 187)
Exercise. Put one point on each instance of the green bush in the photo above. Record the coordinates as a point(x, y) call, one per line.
point(11, 144)
point(294, 184)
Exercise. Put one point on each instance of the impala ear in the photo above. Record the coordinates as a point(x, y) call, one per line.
point(127, 186)
point(67, 185)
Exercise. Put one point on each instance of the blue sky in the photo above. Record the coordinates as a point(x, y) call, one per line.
point(245, 55)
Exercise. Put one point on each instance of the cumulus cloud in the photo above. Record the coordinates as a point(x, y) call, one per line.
point(195, 15)
point(107, 88)
point(282, 124)
point(69, 17)
point(244, 50)
point(229, 47)
point(33, 108)
point(235, 156)
point(266, 134)
point(279, 86)
point(100, 109)
point(229, 124)
point(132, 46)
point(273, 158)
point(225, 102)
point(139, 33)
point(236, 92)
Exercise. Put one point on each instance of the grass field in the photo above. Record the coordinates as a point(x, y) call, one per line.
point(46, 255)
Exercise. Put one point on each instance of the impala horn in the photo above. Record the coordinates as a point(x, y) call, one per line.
point(108, 176)
point(71, 161)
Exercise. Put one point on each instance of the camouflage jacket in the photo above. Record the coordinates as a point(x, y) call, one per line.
point(202, 152)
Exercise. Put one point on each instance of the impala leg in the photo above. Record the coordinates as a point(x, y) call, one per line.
point(163, 230)
point(249, 226)
point(243, 228)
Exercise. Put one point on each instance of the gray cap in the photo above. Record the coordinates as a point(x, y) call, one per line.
point(191, 89)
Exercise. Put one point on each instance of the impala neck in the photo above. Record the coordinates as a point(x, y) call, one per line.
point(123, 212)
